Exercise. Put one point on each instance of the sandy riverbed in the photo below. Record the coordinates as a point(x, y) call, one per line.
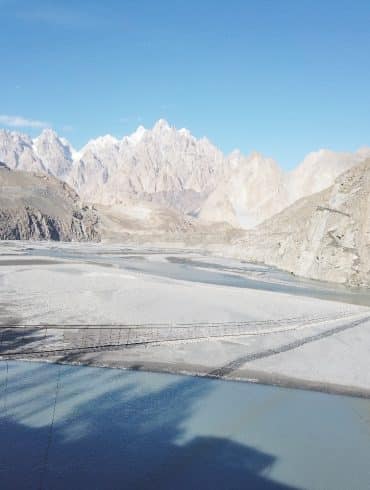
point(291, 335)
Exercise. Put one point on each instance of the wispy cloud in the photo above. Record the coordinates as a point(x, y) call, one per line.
point(21, 122)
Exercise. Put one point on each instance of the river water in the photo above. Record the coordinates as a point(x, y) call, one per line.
point(94, 428)
point(193, 267)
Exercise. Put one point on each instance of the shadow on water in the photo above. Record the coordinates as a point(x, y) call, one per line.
point(104, 429)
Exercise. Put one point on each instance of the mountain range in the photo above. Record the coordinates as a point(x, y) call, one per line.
point(173, 169)
point(163, 185)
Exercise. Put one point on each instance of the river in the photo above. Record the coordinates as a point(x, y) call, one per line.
point(84, 427)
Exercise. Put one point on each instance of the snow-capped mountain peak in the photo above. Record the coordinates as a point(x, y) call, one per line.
point(160, 126)
point(101, 142)
point(185, 133)
point(55, 153)
point(175, 169)
point(47, 134)
point(136, 136)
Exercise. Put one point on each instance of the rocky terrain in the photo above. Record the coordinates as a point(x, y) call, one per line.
point(160, 165)
point(163, 185)
point(255, 189)
point(40, 207)
point(138, 222)
point(172, 168)
point(324, 236)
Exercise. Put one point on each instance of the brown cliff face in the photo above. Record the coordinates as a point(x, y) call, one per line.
point(39, 207)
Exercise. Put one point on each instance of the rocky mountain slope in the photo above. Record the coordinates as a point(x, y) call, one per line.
point(324, 236)
point(138, 222)
point(162, 165)
point(257, 188)
point(55, 153)
point(254, 189)
point(40, 207)
point(318, 168)
point(174, 169)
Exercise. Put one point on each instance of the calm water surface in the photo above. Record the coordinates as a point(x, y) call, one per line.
point(82, 427)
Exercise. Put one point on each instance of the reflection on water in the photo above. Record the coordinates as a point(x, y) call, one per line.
point(83, 427)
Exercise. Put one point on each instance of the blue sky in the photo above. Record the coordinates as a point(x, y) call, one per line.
point(283, 77)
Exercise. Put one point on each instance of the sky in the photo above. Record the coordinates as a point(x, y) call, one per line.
point(283, 77)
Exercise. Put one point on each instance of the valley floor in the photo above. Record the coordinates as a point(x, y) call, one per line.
point(181, 311)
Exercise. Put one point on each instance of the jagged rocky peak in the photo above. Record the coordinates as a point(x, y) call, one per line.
point(102, 143)
point(319, 169)
point(16, 149)
point(47, 135)
point(234, 158)
point(160, 164)
point(171, 166)
point(161, 125)
point(253, 190)
point(136, 136)
point(55, 153)
point(106, 140)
